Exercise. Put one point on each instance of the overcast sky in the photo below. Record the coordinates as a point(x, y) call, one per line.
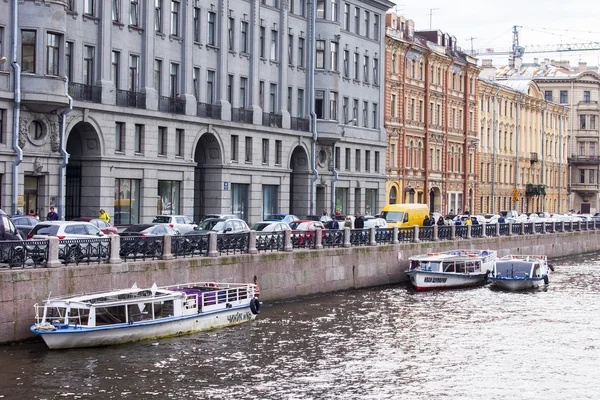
point(490, 22)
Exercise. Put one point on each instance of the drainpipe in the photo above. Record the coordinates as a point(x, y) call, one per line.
point(426, 121)
point(560, 157)
point(402, 143)
point(494, 150)
point(543, 161)
point(16, 109)
point(517, 148)
point(65, 156)
point(334, 180)
point(311, 91)
point(466, 197)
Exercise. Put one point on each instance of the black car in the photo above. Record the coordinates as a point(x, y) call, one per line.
point(24, 224)
point(144, 239)
point(10, 253)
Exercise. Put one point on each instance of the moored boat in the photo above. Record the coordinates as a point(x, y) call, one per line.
point(128, 315)
point(450, 269)
point(520, 272)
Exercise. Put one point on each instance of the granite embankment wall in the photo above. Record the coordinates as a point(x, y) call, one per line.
point(281, 275)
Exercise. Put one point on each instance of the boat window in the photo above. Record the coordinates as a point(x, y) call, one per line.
point(56, 314)
point(139, 312)
point(110, 315)
point(536, 271)
point(163, 309)
point(448, 267)
point(460, 267)
point(434, 266)
point(79, 316)
point(471, 266)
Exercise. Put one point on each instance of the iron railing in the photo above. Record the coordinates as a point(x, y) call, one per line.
point(83, 92)
point(126, 98)
point(208, 110)
point(333, 238)
point(384, 235)
point(244, 115)
point(303, 239)
point(300, 124)
point(444, 232)
point(173, 105)
point(426, 233)
point(232, 243)
point(271, 119)
point(359, 237)
point(141, 247)
point(272, 241)
point(76, 251)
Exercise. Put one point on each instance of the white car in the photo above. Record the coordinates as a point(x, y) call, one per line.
point(180, 223)
point(71, 230)
point(371, 221)
point(270, 226)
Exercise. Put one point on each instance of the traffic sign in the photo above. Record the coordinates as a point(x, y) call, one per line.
point(515, 199)
point(515, 192)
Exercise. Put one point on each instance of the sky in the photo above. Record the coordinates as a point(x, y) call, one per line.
point(490, 23)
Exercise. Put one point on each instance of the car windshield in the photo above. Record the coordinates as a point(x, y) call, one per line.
point(278, 217)
point(259, 226)
point(294, 224)
point(392, 216)
point(49, 230)
point(304, 226)
point(161, 219)
point(219, 226)
point(207, 225)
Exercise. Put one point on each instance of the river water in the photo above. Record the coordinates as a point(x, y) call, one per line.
point(381, 343)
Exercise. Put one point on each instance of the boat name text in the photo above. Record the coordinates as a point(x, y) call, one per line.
point(239, 317)
point(431, 279)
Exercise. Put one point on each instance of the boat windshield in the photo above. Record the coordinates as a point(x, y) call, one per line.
point(392, 216)
point(431, 266)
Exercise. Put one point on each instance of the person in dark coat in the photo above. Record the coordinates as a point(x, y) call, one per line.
point(52, 215)
point(440, 221)
point(501, 220)
point(426, 221)
point(359, 222)
point(474, 221)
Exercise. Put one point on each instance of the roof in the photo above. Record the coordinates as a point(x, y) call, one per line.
point(519, 85)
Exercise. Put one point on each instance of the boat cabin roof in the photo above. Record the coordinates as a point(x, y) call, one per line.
point(454, 255)
point(514, 267)
point(125, 296)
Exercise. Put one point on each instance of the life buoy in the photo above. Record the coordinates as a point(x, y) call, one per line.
point(255, 306)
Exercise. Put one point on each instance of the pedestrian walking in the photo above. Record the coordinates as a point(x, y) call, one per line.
point(104, 216)
point(52, 215)
point(359, 222)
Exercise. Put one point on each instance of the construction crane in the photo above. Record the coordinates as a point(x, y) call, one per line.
point(517, 51)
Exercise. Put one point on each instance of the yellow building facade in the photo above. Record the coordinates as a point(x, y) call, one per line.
point(522, 149)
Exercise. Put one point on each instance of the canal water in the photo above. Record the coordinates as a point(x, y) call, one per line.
point(381, 343)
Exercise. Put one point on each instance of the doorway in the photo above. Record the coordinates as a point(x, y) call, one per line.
point(31, 194)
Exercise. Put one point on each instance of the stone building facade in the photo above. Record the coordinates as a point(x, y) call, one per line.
point(190, 107)
point(431, 119)
point(521, 166)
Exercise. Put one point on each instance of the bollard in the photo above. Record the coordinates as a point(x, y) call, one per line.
point(483, 233)
point(469, 227)
point(453, 232)
point(318, 238)
point(522, 228)
point(416, 234)
point(115, 249)
point(395, 235)
point(252, 242)
point(167, 254)
point(497, 229)
point(287, 240)
point(212, 244)
point(510, 229)
point(53, 260)
point(347, 237)
point(372, 238)
point(435, 238)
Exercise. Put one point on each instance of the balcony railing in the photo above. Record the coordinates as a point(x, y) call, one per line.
point(208, 110)
point(300, 124)
point(126, 98)
point(83, 92)
point(584, 159)
point(271, 119)
point(171, 104)
point(241, 115)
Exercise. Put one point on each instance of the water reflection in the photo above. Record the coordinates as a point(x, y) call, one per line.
point(382, 343)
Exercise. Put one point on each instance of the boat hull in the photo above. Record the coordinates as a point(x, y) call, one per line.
point(73, 337)
point(516, 284)
point(426, 280)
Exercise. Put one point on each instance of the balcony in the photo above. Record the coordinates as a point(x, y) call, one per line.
point(300, 124)
point(42, 93)
point(533, 157)
point(83, 92)
point(584, 189)
point(208, 110)
point(329, 131)
point(244, 115)
point(587, 106)
point(271, 119)
point(172, 105)
point(584, 160)
point(535, 190)
point(126, 98)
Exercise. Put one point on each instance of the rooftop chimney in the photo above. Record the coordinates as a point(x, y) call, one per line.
point(582, 66)
point(488, 71)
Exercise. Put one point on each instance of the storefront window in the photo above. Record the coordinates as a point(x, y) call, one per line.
point(239, 200)
point(341, 200)
point(127, 202)
point(167, 202)
point(270, 197)
point(371, 202)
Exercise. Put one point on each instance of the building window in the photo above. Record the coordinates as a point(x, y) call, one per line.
point(244, 37)
point(139, 139)
point(581, 148)
point(301, 52)
point(243, 92)
point(265, 151)
point(168, 197)
point(592, 122)
point(239, 200)
point(582, 176)
point(210, 83)
point(367, 161)
point(367, 24)
point(290, 49)
point(319, 99)
point(157, 75)
point(357, 160)
point(235, 144)
point(273, 45)
point(175, 18)
point(174, 80)
point(347, 16)
point(320, 58)
point(334, 56)
point(355, 111)
point(134, 13)
point(345, 106)
point(300, 104)
point(375, 116)
point(365, 114)
point(321, 9)
point(114, 73)
point(333, 99)
point(262, 42)
point(547, 95)
point(230, 33)
point(582, 122)
point(346, 64)
point(376, 166)
point(393, 105)
point(289, 100)
point(278, 151)
point(134, 62)
point(394, 63)
point(196, 24)
point(356, 74)
point(52, 54)
point(211, 40)
point(586, 96)
point(88, 65)
point(273, 97)
point(36, 131)
point(70, 6)
point(347, 160)
point(261, 94)
point(28, 39)
point(162, 141)
point(157, 15)
point(179, 142)
point(563, 98)
point(375, 71)
point(127, 201)
point(334, 10)
point(68, 60)
point(303, 8)
point(120, 136)
point(376, 33)
point(88, 7)
point(337, 158)
point(196, 82)
point(270, 198)
point(230, 88)
point(248, 157)
point(592, 176)
point(357, 20)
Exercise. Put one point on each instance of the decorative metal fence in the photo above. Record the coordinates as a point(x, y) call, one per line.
point(76, 251)
point(490, 230)
point(333, 238)
point(303, 239)
point(426, 233)
point(273, 241)
point(461, 231)
point(406, 234)
point(232, 243)
point(22, 254)
point(359, 237)
point(476, 231)
point(189, 245)
point(444, 232)
point(141, 247)
point(384, 235)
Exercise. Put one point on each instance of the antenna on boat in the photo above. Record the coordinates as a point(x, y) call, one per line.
point(154, 288)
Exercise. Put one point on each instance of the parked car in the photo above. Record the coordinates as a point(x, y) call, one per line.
point(13, 254)
point(24, 224)
point(149, 230)
point(71, 230)
point(270, 226)
point(101, 224)
point(282, 217)
point(218, 216)
point(143, 245)
point(180, 223)
point(371, 221)
point(218, 225)
point(304, 230)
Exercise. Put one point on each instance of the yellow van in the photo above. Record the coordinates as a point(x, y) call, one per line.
point(404, 215)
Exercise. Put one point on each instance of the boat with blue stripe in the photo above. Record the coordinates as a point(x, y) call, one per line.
point(520, 272)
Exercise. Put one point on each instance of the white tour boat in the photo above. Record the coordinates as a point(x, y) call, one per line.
point(516, 272)
point(450, 269)
point(129, 315)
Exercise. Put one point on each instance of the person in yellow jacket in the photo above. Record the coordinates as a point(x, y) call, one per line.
point(468, 221)
point(104, 216)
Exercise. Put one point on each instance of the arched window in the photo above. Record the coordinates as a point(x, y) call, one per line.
point(393, 195)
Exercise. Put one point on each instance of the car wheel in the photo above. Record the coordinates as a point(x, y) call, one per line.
point(73, 255)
